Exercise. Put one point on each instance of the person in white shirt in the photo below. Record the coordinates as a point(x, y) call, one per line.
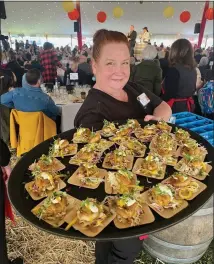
point(145, 36)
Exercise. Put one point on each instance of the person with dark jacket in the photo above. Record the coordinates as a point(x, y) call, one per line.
point(7, 82)
point(148, 73)
point(4, 174)
point(132, 35)
point(180, 82)
point(83, 77)
point(113, 98)
point(27, 45)
point(164, 63)
point(198, 55)
point(14, 66)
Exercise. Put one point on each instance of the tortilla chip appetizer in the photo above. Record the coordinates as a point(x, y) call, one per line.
point(47, 163)
point(163, 126)
point(194, 167)
point(91, 218)
point(82, 135)
point(181, 135)
point(88, 176)
point(53, 209)
point(118, 159)
point(95, 137)
point(192, 148)
point(134, 147)
point(44, 184)
point(130, 212)
point(186, 187)
point(164, 144)
point(121, 182)
point(109, 129)
point(119, 139)
point(101, 146)
point(124, 130)
point(147, 133)
point(133, 123)
point(86, 155)
point(62, 147)
point(161, 198)
point(152, 166)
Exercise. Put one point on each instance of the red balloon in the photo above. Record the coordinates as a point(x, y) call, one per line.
point(101, 17)
point(209, 14)
point(185, 16)
point(73, 15)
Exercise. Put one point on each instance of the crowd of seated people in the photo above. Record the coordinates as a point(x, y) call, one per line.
point(175, 73)
point(51, 62)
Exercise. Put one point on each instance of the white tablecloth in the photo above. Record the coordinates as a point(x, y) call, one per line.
point(69, 112)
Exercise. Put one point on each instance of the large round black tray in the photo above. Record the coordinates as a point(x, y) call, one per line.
point(23, 203)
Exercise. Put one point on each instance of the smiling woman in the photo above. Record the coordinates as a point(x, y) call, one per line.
point(114, 98)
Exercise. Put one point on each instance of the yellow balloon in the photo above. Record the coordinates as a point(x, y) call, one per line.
point(168, 12)
point(118, 12)
point(68, 6)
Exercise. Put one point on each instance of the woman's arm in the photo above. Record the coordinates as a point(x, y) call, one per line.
point(161, 112)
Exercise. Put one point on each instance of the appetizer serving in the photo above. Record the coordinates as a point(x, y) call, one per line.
point(109, 129)
point(118, 139)
point(82, 135)
point(152, 166)
point(181, 135)
point(130, 212)
point(95, 137)
point(161, 198)
point(133, 123)
point(192, 148)
point(164, 144)
point(134, 147)
point(54, 208)
point(124, 130)
point(121, 182)
point(47, 163)
point(163, 126)
point(88, 176)
point(62, 147)
point(86, 155)
point(194, 167)
point(101, 146)
point(147, 133)
point(44, 184)
point(186, 187)
point(118, 159)
point(91, 217)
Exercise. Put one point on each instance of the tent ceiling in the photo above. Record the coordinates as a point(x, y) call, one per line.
point(49, 18)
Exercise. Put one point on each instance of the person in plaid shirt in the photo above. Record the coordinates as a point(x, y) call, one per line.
point(49, 61)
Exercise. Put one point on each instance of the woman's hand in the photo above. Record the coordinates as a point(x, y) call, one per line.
point(151, 117)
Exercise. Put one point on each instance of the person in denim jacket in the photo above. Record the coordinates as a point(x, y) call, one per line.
point(31, 98)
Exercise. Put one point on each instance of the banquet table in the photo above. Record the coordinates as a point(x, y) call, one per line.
point(68, 106)
point(68, 113)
